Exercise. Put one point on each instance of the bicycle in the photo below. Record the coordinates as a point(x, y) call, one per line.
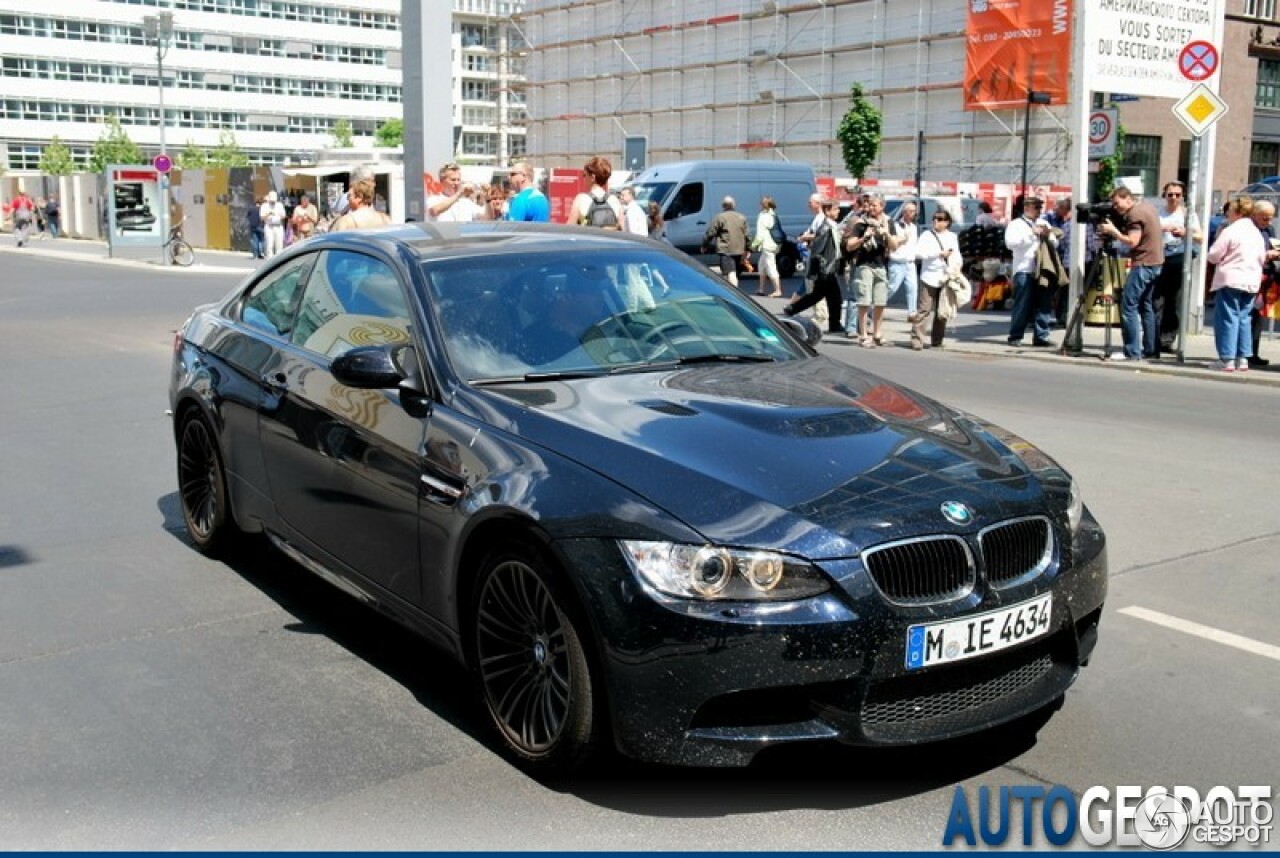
point(177, 249)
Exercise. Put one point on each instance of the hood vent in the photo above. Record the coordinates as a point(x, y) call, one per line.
point(664, 407)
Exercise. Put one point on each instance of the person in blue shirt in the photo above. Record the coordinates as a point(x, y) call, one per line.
point(529, 203)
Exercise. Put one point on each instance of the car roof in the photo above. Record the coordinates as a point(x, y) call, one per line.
point(438, 240)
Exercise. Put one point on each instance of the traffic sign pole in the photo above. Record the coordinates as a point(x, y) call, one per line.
point(1189, 244)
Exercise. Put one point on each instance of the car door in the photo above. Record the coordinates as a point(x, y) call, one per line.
point(247, 350)
point(344, 463)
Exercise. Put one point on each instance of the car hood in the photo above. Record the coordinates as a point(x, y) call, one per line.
point(810, 455)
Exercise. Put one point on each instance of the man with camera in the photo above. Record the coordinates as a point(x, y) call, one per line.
point(1031, 304)
point(869, 242)
point(1144, 236)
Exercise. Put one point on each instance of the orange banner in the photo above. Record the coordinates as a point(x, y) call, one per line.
point(1016, 47)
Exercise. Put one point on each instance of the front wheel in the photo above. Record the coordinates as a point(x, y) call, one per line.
point(181, 253)
point(534, 672)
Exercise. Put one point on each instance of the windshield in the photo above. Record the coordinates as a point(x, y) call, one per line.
point(656, 191)
point(508, 318)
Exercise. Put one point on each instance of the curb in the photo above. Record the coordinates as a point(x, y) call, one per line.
point(145, 264)
point(1269, 377)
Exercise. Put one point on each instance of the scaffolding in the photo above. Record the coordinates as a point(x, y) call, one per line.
point(768, 79)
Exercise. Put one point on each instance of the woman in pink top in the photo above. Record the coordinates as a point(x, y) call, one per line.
point(1239, 252)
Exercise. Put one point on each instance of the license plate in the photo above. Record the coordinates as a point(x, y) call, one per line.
point(955, 640)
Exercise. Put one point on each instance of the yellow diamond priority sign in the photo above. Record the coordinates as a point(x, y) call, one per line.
point(1199, 109)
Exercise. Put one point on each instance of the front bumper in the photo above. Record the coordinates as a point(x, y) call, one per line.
point(710, 684)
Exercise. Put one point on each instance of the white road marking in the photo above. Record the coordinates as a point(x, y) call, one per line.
point(1207, 632)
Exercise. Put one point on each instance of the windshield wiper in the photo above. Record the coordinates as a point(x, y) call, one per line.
point(689, 360)
point(723, 358)
point(554, 375)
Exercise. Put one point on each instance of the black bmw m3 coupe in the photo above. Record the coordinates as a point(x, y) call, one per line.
point(646, 513)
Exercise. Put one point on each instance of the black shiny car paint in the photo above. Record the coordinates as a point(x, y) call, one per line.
point(395, 495)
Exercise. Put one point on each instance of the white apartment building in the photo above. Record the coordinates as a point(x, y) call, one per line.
point(770, 79)
point(279, 75)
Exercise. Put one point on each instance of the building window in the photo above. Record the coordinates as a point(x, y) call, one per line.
point(1268, 92)
point(1142, 158)
point(1260, 9)
point(1264, 160)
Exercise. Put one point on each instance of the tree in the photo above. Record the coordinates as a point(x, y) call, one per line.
point(859, 133)
point(1109, 168)
point(390, 134)
point(114, 147)
point(56, 159)
point(228, 152)
point(342, 135)
point(192, 157)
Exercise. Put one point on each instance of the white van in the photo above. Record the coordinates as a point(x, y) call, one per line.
point(963, 210)
point(690, 193)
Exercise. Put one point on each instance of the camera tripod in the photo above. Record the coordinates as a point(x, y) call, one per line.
point(1107, 270)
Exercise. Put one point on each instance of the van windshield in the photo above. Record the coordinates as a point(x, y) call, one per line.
point(656, 191)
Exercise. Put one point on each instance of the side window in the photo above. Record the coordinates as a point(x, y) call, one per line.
point(351, 300)
point(688, 200)
point(271, 304)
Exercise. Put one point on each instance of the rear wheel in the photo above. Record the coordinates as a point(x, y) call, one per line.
point(181, 253)
point(202, 488)
point(534, 673)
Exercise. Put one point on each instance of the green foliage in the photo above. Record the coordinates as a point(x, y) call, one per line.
point(859, 133)
point(343, 138)
point(192, 157)
point(390, 134)
point(56, 160)
point(228, 152)
point(114, 146)
point(1109, 168)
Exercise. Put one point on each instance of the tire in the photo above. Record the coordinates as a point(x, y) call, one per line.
point(181, 253)
point(202, 488)
point(535, 678)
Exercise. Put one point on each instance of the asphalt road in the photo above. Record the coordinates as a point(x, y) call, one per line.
point(153, 699)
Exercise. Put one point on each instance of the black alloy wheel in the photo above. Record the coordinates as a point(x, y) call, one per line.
point(533, 670)
point(202, 486)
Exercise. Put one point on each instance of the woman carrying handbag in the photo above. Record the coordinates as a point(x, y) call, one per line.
point(939, 253)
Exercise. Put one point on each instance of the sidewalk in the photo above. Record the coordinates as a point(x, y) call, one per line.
point(986, 333)
point(84, 250)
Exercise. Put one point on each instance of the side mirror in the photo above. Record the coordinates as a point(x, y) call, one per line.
point(803, 329)
point(368, 368)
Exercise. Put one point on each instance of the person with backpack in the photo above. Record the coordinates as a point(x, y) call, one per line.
point(22, 210)
point(596, 206)
point(768, 241)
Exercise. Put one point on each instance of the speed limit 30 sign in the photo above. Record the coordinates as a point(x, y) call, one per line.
point(1102, 133)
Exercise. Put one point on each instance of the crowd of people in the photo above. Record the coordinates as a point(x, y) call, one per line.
point(856, 264)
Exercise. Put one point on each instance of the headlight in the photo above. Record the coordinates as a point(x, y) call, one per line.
point(1075, 507)
point(712, 572)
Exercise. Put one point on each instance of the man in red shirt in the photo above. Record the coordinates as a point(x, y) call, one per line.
point(23, 210)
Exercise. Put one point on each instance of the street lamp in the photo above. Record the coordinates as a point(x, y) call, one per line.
point(159, 28)
point(1033, 97)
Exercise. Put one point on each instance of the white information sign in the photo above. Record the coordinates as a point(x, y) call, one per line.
point(1133, 46)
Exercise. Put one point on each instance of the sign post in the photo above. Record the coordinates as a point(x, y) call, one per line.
point(1145, 50)
point(1198, 110)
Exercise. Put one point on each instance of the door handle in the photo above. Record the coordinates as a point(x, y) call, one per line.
point(441, 491)
point(275, 382)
